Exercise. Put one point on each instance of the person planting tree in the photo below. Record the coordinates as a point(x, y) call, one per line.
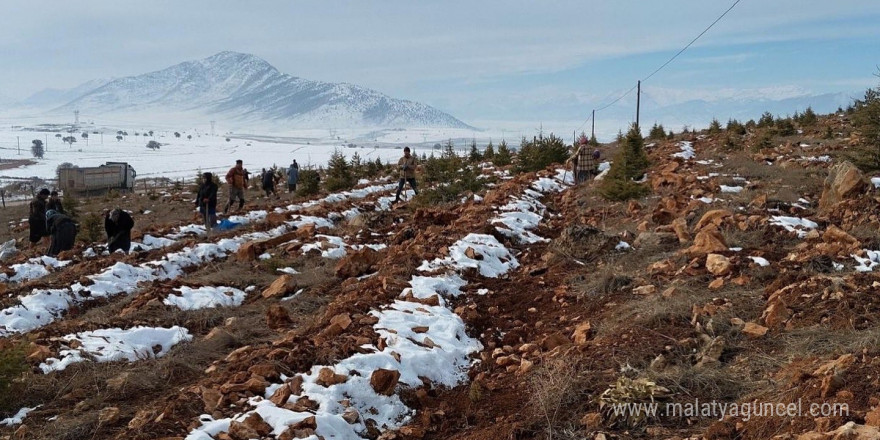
point(407, 166)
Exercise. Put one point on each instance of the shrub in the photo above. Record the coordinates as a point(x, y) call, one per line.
point(503, 157)
point(714, 127)
point(809, 118)
point(12, 366)
point(37, 148)
point(357, 165)
point(657, 132)
point(71, 205)
point(732, 143)
point(339, 173)
point(443, 169)
point(489, 152)
point(829, 133)
point(308, 183)
point(452, 189)
point(620, 190)
point(539, 153)
point(735, 127)
point(629, 164)
point(763, 141)
point(866, 119)
point(91, 228)
point(785, 127)
point(766, 120)
point(554, 389)
point(474, 155)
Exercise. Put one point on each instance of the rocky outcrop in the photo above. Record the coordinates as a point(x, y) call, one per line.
point(844, 181)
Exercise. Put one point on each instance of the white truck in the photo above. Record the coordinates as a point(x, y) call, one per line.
point(89, 180)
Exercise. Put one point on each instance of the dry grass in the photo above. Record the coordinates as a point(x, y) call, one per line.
point(706, 384)
point(553, 389)
point(748, 239)
point(824, 342)
point(656, 312)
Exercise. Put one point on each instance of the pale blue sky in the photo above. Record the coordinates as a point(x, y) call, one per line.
point(512, 59)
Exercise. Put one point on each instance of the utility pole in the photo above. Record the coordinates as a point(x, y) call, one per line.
point(47, 142)
point(18, 140)
point(593, 129)
point(638, 101)
point(76, 118)
point(212, 127)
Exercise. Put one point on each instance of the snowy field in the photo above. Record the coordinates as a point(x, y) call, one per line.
point(183, 157)
point(177, 157)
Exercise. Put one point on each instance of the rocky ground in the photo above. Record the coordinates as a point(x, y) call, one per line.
point(531, 310)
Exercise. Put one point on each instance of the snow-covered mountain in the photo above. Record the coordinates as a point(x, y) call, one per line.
point(245, 88)
point(47, 98)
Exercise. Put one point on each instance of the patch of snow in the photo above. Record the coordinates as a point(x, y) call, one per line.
point(265, 256)
point(115, 344)
point(295, 294)
point(495, 260)
point(760, 261)
point(623, 246)
point(205, 297)
point(687, 150)
point(794, 224)
point(35, 268)
point(19, 417)
point(331, 247)
point(867, 264)
point(288, 270)
point(824, 158)
point(876, 182)
point(731, 189)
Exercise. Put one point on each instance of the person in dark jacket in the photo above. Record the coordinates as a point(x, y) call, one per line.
point(292, 176)
point(407, 165)
point(206, 200)
point(62, 229)
point(54, 203)
point(118, 225)
point(269, 182)
point(37, 217)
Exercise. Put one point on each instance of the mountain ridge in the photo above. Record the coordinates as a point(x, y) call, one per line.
point(246, 88)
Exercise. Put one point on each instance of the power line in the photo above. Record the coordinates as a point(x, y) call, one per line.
point(662, 66)
point(693, 41)
point(606, 106)
point(616, 100)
